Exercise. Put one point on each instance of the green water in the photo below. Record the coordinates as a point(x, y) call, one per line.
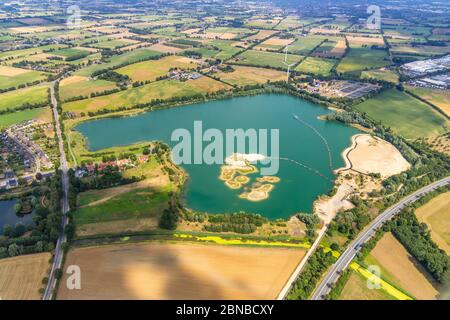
point(298, 187)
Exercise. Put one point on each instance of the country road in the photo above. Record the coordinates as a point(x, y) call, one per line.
point(57, 259)
point(349, 254)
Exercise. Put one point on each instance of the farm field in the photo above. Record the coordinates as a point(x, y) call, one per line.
point(359, 59)
point(436, 214)
point(28, 52)
point(157, 90)
point(181, 271)
point(71, 53)
point(152, 69)
point(227, 49)
point(440, 98)
point(17, 98)
point(76, 86)
point(266, 59)
point(21, 277)
point(138, 202)
point(406, 115)
point(242, 76)
point(401, 269)
point(317, 66)
point(356, 289)
point(117, 60)
point(9, 119)
point(305, 45)
point(381, 74)
point(14, 77)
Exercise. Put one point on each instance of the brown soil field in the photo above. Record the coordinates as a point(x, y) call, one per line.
point(373, 155)
point(436, 214)
point(180, 271)
point(163, 48)
point(324, 31)
point(11, 71)
point(227, 36)
point(72, 79)
point(278, 42)
point(32, 29)
point(359, 41)
point(404, 268)
point(114, 227)
point(261, 35)
point(339, 49)
point(356, 289)
point(21, 277)
point(209, 85)
point(191, 31)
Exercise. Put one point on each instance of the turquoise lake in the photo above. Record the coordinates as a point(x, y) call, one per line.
point(298, 188)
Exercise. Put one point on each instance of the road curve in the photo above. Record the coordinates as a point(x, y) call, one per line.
point(57, 258)
point(349, 254)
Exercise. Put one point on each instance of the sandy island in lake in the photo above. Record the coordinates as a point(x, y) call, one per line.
point(258, 193)
point(366, 155)
point(235, 171)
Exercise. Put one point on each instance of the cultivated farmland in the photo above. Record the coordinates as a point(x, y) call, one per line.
point(266, 59)
point(242, 76)
point(152, 69)
point(316, 66)
point(358, 59)
point(158, 90)
point(28, 96)
point(21, 277)
point(181, 271)
point(14, 77)
point(436, 214)
point(356, 289)
point(9, 119)
point(401, 269)
point(406, 115)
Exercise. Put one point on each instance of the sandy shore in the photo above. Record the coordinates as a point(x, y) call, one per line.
point(369, 154)
point(365, 155)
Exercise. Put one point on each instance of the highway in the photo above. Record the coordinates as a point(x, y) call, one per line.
point(57, 259)
point(349, 254)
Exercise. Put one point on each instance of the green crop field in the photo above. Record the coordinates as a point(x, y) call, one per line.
point(157, 90)
point(28, 52)
point(129, 57)
point(266, 59)
point(33, 95)
point(385, 75)
point(81, 86)
point(139, 203)
point(152, 69)
point(10, 119)
point(316, 66)
point(406, 115)
point(305, 45)
point(14, 77)
point(226, 49)
point(358, 59)
point(70, 52)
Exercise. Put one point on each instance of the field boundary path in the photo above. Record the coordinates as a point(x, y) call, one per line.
point(58, 255)
point(349, 254)
point(287, 287)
